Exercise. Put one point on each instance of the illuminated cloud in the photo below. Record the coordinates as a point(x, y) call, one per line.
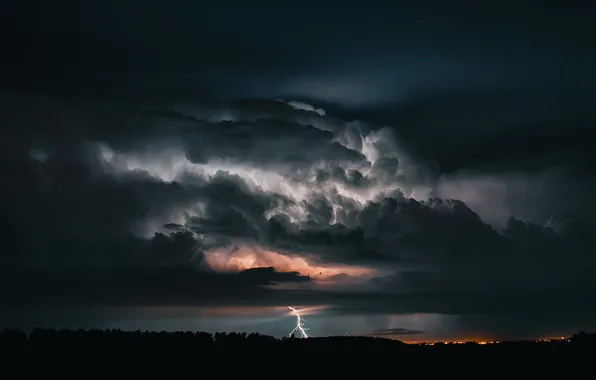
point(133, 178)
point(240, 258)
point(377, 165)
point(276, 185)
point(265, 205)
point(306, 107)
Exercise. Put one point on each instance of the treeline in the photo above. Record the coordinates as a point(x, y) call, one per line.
point(125, 342)
point(51, 339)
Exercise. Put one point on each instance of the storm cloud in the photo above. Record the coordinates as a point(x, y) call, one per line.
point(199, 159)
point(325, 202)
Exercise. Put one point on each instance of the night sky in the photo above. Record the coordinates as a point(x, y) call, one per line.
point(416, 170)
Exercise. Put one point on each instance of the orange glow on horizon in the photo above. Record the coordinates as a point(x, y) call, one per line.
point(480, 341)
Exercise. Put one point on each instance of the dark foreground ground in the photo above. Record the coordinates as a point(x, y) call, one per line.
point(341, 354)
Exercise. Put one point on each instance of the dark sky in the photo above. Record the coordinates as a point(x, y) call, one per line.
point(177, 164)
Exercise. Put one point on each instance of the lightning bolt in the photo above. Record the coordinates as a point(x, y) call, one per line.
point(299, 324)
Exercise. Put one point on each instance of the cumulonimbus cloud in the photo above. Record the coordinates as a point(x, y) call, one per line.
point(236, 187)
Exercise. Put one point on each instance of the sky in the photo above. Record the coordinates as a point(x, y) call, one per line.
point(412, 170)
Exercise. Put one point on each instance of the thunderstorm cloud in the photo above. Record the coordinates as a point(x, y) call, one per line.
point(404, 171)
point(149, 201)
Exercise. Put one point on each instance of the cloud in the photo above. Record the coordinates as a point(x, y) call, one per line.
point(238, 258)
point(307, 107)
point(142, 284)
point(454, 183)
point(262, 203)
point(532, 196)
point(264, 143)
point(395, 332)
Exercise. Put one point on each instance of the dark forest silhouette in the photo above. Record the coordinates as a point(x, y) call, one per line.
point(51, 341)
